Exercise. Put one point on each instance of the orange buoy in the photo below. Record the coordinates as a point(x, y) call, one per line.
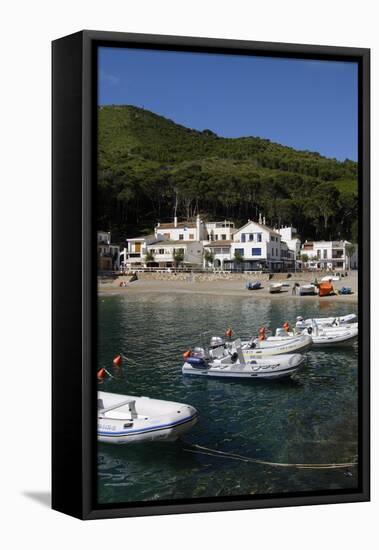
point(229, 333)
point(117, 360)
point(187, 354)
point(101, 374)
point(262, 334)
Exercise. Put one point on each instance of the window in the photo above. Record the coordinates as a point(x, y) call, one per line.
point(272, 238)
point(161, 251)
point(181, 237)
point(318, 254)
point(259, 237)
point(325, 253)
point(223, 237)
point(251, 237)
point(191, 236)
point(239, 251)
point(256, 251)
point(243, 238)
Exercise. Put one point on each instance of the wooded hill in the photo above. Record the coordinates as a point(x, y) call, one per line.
point(149, 165)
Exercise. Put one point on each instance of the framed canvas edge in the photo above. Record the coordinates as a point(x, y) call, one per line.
point(89, 508)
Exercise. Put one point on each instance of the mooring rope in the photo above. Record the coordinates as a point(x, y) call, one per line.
point(214, 452)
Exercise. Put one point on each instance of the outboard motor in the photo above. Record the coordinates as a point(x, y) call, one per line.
point(216, 341)
point(198, 352)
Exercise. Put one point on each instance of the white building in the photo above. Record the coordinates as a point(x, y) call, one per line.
point(186, 238)
point(329, 255)
point(253, 247)
point(220, 250)
point(103, 237)
point(258, 246)
point(108, 254)
point(219, 231)
point(288, 235)
point(163, 252)
point(182, 231)
point(136, 249)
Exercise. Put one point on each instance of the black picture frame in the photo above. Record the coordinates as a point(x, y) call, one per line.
point(74, 413)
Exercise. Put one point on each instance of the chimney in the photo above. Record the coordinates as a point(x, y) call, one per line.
point(260, 218)
point(264, 220)
point(175, 221)
point(198, 227)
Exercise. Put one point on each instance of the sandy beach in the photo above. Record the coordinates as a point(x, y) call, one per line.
point(230, 285)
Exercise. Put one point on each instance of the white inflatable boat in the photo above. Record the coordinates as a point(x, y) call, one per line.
point(128, 419)
point(330, 336)
point(308, 290)
point(271, 346)
point(330, 321)
point(275, 288)
point(225, 365)
point(322, 335)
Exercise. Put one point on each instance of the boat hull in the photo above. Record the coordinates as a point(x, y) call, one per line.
point(267, 369)
point(333, 340)
point(282, 346)
point(275, 289)
point(345, 320)
point(167, 421)
point(307, 290)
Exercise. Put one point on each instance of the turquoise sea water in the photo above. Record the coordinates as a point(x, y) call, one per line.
point(311, 419)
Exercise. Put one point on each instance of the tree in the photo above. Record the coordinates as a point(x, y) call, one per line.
point(149, 257)
point(304, 258)
point(178, 256)
point(151, 169)
point(208, 257)
point(325, 200)
point(349, 251)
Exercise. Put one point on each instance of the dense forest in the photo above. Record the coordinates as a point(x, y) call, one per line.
point(149, 167)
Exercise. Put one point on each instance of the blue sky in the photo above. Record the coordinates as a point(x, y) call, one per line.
point(304, 104)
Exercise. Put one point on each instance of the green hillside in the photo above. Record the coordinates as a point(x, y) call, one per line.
point(148, 164)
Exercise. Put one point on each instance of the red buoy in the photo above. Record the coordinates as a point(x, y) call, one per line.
point(101, 374)
point(262, 334)
point(117, 361)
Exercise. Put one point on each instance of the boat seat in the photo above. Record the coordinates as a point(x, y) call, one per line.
point(119, 415)
point(217, 353)
point(113, 411)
